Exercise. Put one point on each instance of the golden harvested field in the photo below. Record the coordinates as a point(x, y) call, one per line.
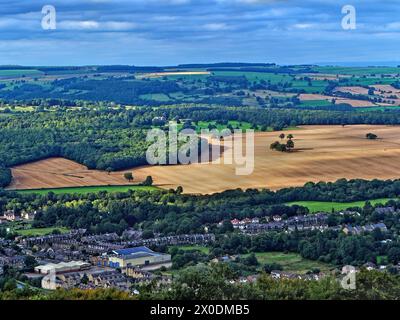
point(323, 153)
point(59, 173)
point(353, 90)
point(352, 102)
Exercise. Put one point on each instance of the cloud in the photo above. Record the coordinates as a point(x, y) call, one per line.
point(175, 31)
point(215, 26)
point(78, 25)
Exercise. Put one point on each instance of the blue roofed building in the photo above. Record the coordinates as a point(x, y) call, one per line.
point(128, 251)
point(139, 257)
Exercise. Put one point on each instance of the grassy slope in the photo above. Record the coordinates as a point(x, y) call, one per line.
point(40, 231)
point(84, 190)
point(291, 261)
point(203, 249)
point(316, 206)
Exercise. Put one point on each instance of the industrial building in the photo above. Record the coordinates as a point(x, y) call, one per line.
point(62, 267)
point(138, 257)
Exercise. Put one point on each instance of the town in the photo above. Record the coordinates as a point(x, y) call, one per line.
point(78, 259)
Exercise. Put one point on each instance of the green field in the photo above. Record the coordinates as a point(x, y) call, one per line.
point(85, 190)
point(40, 231)
point(18, 72)
point(317, 206)
point(235, 124)
point(291, 262)
point(203, 249)
point(155, 96)
point(315, 103)
point(358, 70)
point(381, 109)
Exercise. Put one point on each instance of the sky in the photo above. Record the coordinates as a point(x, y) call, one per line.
point(170, 32)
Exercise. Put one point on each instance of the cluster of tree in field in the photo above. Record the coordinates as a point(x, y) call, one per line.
point(283, 147)
point(371, 136)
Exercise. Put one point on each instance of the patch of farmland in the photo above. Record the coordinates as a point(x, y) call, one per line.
point(166, 74)
point(61, 173)
point(353, 90)
point(323, 153)
point(352, 102)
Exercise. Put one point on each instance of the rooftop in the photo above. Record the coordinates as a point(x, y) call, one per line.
point(135, 251)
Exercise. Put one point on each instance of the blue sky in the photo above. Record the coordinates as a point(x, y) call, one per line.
point(167, 32)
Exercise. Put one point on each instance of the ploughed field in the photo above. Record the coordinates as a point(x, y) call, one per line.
point(61, 173)
point(322, 153)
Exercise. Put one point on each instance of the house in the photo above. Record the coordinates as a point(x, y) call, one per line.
point(367, 228)
point(28, 215)
point(140, 257)
point(385, 210)
point(255, 220)
point(11, 216)
point(277, 218)
point(110, 279)
point(159, 120)
point(349, 213)
point(131, 234)
point(369, 266)
point(291, 275)
point(137, 274)
point(15, 261)
point(86, 280)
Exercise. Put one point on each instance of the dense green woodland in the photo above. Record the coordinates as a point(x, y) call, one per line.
point(102, 140)
point(5, 177)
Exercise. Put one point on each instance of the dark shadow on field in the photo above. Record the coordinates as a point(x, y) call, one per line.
point(301, 150)
point(215, 151)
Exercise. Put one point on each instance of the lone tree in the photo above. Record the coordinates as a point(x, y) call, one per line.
point(371, 136)
point(278, 146)
point(274, 145)
point(128, 176)
point(148, 182)
point(290, 136)
point(290, 145)
point(179, 190)
point(282, 136)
